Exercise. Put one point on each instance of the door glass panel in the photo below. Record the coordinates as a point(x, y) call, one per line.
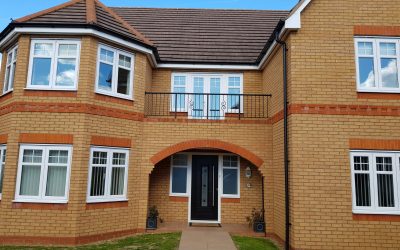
point(385, 183)
point(204, 186)
point(215, 100)
point(198, 97)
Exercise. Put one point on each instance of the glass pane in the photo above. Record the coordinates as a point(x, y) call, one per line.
point(124, 61)
point(15, 54)
point(119, 158)
point(230, 183)
point(215, 100)
point(180, 160)
point(365, 48)
point(9, 58)
point(43, 49)
point(179, 178)
point(388, 49)
point(99, 158)
point(366, 72)
point(32, 156)
point(361, 163)
point(389, 73)
point(12, 76)
point(230, 161)
point(385, 190)
point(362, 185)
point(3, 160)
point(180, 98)
point(384, 163)
point(56, 180)
point(1, 177)
point(67, 50)
point(8, 71)
point(107, 56)
point(66, 72)
point(180, 80)
point(123, 81)
point(41, 71)
point(233, 98)
point(117, 181)
point(234, 82)
point(30, 179)
point(105, 76)
point(98, 181)
point(198, 100)
point(58, 156)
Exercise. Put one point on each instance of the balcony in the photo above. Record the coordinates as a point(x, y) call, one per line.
point(206, 105)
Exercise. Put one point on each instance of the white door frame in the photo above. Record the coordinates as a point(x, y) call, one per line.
point(220, 159)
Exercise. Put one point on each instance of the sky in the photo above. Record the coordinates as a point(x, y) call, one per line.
point(18, 8)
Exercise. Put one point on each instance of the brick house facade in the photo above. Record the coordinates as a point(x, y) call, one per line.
point(109, 111)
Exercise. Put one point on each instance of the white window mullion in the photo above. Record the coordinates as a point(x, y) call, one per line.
point(54, 60)
point(108, 175)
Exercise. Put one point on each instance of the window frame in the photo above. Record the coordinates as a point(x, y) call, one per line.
point(377, 63)
point(115, 67)
point(235, 196)
point(42, 198)
point(189, 88)
point(3, 150)
point(188, 175)
point(53, 65)
point(107, 197)
point(374, 208)
point(10, 84)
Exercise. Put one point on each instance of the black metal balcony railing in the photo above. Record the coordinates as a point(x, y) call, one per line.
point(206, 106)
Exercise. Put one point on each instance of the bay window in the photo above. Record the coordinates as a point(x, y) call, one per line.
point(43, 173)
point(10, 70)
point(108, 174)
point(114, 72)
point(375, 182)
point(54, 64)
point(377, 64)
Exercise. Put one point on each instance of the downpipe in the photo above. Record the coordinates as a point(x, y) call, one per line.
point(285, 142)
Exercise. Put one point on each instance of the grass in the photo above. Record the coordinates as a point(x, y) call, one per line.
point(249, 243)
point(168, 241)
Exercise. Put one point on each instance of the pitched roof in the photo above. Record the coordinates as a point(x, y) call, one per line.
point(85, 12)
point(177, 35)
point(205, 35)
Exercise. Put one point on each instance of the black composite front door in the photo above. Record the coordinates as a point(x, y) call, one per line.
point(204, 205)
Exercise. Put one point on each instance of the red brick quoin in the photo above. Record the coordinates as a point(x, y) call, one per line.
point(215, 144)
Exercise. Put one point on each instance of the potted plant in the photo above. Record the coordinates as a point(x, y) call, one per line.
point(152, 218)
point(256, 220)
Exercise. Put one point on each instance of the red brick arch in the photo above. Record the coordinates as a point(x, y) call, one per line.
point(216, 144)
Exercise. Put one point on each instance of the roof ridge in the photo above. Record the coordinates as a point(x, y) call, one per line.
point(124, 23)
point(91, 16)
point(183, 8)
point(47, 11)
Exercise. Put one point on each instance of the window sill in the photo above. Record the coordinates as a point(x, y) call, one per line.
point(378, 95)
point(106, 200)
point(179, 198)
point(227, 196)
point(39, 205)
point(230, 200)
point(371, 212)
point(40, 201)
point(102, 205)
point(50, 93)
point(7, 95)
point(43, 88)
point(375, 217)
point(124, 97)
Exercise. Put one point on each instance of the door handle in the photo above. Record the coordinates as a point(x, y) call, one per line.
point(213, 188)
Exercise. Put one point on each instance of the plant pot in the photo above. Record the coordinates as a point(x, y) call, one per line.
point(259, 227)
point(151, 223)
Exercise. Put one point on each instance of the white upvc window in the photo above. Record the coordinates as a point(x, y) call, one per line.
point(180, 175)
point(54, 64)
point(224, 89)
point(378, 64)
point(230, 176)
point(375, 182)
point(108, 174)
point(10, 70)
point(3, 151)
point(114, 72)
point(43, 173)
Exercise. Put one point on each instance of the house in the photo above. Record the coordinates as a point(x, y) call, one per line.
point(205, 114)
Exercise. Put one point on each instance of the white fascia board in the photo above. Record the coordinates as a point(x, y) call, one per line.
point(207, 66)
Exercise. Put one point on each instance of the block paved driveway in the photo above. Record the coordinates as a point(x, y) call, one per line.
point(206, 238)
